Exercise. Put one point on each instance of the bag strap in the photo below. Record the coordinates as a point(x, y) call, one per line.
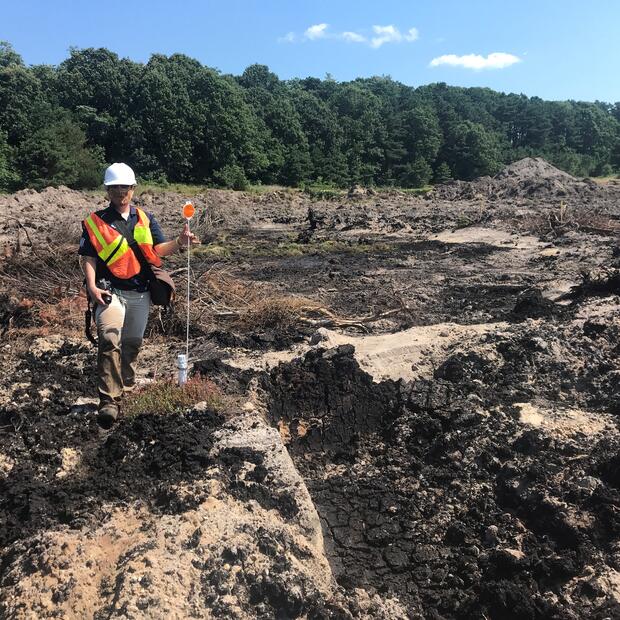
point(123, 227)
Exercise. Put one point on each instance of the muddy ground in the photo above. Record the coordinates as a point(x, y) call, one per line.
point(452, 423)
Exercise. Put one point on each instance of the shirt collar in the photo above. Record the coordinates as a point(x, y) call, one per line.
point(132, 211)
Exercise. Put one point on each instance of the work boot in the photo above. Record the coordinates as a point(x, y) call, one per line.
point(107, 415)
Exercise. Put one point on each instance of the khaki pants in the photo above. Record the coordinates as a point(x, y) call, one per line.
point(120, 329)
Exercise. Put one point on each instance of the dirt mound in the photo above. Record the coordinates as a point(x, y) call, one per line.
point(534, 168)
point(37, 218)
point(528, 178)
point(533, 177)
point(441, 493)
point(59, 211)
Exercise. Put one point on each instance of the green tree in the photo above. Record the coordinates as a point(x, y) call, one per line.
point(597, 135)
point(364, 131)
point(162, 105)
point(9, 178)
point(176, 119)
point(443, 174)
point(8, 56)
point(323, 133)
point(98, 85)
point(416, 174)
point(421, 140)
point(471, 151)
point(21, 95)
point(286, 143)
point(57, 154)
point(227, 132)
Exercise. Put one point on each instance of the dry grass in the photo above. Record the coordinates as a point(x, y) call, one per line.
point(221, 300)
point(42, 289)
point(218, 298)
point(277, 311)
point(167, 397)
point(44, 292)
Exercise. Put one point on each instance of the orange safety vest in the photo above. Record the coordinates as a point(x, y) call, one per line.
point(113, 249)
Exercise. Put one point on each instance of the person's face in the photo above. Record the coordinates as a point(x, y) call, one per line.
point(120, 195)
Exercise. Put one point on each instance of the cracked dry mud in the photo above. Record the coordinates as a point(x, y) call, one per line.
point(458, 459)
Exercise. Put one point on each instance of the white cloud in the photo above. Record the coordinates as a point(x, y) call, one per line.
point(289, 37)
point(382, 35)
point(496, 60)
point(353, 37)
point(318, 31)
point(385, 34)
point(412, 35)
point(391, 34)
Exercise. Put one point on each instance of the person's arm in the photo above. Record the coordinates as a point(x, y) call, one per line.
point(167, 247)
point(160, 245)
point(89, 269)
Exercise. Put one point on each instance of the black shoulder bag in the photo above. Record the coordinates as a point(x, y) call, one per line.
point(161, 285)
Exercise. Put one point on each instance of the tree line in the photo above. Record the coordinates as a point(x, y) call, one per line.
point(175, 120)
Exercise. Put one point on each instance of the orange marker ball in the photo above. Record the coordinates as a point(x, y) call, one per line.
point(188, 210)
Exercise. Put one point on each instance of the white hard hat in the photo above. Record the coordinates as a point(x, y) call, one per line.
point(119, 174)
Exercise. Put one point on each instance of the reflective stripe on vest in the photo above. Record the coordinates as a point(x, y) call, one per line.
point(113, 249)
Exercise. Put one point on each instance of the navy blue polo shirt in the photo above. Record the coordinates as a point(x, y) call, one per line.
point(109, 215)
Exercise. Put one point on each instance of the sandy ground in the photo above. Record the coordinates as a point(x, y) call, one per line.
point(409, 354)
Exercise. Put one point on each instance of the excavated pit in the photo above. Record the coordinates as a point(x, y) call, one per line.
point(436, 492)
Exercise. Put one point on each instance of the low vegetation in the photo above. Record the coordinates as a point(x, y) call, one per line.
point(225, 248)
point(221, 298)
point(563, 219)
point(42, 287)
point(167, 397)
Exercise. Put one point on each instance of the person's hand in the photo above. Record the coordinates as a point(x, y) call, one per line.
point(187, 238)
point(100, 296)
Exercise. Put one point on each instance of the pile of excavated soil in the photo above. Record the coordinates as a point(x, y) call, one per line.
point(58, 212)
point(529, 178)
point(534, 168)
point(456, 493)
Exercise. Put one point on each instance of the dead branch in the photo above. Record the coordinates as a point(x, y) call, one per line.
point(20, 226)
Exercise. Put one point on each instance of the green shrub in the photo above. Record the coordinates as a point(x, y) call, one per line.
point(443, 174)
point(57, 154)
point(231, 176)
point(416, 174)
point(9, 179)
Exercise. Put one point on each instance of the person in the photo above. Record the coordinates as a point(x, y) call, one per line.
point(118, 286)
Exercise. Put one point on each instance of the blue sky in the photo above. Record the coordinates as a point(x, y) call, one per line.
point(554, 49)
